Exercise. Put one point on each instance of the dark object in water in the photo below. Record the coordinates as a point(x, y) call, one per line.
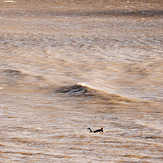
point(73, 89)
point(90, 129)
point(12, 72)
point(99, 130)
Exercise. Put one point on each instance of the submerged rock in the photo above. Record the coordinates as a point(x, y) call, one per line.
point(77, 89)
point(12, 72)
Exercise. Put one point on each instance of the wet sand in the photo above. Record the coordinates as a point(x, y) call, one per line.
point(112, 49)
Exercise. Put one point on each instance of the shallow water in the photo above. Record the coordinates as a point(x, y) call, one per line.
point(112, 49)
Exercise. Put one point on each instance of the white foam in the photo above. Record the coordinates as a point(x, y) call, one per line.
point(86, 85)
point(9, 1)
point(105, 90)
point(92, 87)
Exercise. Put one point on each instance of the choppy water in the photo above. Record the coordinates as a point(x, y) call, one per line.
point(68, 66)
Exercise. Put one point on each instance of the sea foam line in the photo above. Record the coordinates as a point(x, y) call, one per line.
point(107, 91)
point(95, 88)
point(9, 1)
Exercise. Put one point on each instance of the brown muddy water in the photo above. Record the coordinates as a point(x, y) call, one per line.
point(69, 65)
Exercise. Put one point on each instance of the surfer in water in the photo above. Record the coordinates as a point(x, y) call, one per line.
point(99, 130)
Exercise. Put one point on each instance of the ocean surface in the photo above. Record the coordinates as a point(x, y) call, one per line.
point(69, 65)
